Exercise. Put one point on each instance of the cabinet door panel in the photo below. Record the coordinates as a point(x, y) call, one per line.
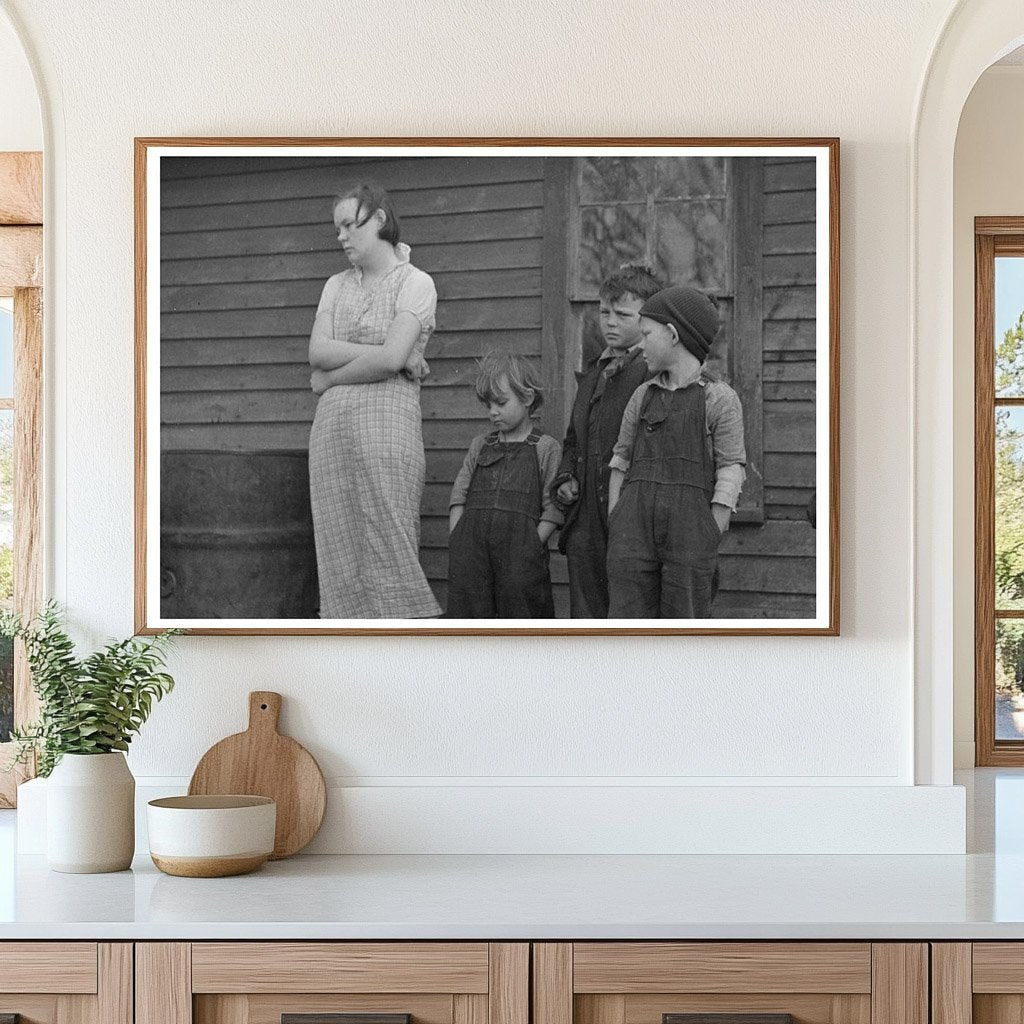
point(998, 1009)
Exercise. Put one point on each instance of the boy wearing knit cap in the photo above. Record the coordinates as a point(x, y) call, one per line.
point(676, 470)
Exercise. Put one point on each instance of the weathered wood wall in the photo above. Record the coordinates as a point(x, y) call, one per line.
point(769, 570)
point(246, 247)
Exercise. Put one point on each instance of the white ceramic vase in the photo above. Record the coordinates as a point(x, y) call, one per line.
point(90, 814)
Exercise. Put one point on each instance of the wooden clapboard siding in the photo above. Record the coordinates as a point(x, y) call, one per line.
point(503, 254)
point(246, 246)
point(231, 179)
point(769, 570)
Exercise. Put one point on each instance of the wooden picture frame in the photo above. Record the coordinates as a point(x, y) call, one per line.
point(232, 253)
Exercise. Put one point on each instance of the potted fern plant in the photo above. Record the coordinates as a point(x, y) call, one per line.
point(89, 710)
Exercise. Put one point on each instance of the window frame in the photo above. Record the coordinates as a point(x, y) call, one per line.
point(993, 237)
point(21, 277)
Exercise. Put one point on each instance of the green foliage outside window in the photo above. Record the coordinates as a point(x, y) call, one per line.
point(1009, 510)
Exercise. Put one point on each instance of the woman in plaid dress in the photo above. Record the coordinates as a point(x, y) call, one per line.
point(366, 459)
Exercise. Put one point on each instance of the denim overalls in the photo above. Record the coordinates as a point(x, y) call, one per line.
point(498, 567)
point(663, 540)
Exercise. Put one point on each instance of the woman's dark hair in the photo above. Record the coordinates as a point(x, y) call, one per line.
point(369, 199)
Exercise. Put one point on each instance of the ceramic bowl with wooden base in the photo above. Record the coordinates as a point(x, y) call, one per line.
point(211, 836)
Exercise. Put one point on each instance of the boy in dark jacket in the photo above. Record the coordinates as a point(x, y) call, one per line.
point(604, 388)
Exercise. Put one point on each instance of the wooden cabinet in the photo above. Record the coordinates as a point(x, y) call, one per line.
point(494, 983)
point(977, 982)
point(66, 982)
point(653, 982)
point(262, 982)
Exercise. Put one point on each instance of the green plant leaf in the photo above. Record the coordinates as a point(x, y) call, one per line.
point(90, 705)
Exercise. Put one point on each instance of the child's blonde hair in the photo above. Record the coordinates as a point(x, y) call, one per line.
point(515, 373)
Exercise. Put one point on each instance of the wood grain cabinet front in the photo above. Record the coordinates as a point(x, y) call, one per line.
point(332, 983)
point(978, 982)
point(730, 983)
point(66, 982)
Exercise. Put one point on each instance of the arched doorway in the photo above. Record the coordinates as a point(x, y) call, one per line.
point(977, 33)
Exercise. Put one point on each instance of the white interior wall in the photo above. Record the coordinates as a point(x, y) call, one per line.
point(433, 717)
point(987, 182)
point(21, 127)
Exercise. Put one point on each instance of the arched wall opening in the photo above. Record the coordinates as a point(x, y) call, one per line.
point(976, 35)
point(989, 151)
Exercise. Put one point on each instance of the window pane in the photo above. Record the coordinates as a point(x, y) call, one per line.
point(1009, 679)
point(6, 563)
point(691, 243)
point(609, 236)
point(686, 177)
point(6, 349)
point(1009, 317)
point(1009, 532)
point(609, 178)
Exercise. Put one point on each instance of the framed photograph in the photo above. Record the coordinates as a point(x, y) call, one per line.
point(501, 386)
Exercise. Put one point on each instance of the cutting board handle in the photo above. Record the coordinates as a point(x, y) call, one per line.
point(264, 710)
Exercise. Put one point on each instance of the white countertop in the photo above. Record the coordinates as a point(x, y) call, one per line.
point(976, 896)
point(517, 897)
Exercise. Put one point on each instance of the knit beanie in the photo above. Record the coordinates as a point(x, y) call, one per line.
point(693, 314)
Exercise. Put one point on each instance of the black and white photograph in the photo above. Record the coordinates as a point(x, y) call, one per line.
point(495, 386)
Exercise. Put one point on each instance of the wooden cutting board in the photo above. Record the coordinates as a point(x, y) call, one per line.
point(262, 762)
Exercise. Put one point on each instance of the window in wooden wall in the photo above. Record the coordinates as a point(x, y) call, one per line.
point(999, 490)
point(702, 221)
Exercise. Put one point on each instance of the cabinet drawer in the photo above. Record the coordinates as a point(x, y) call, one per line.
point(730, 983)
point(66, 967)
point(66, 982)
point(332, 983)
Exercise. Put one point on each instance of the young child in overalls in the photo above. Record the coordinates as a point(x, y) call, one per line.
point(603, 389)
point(677, 468)
point(501, 510)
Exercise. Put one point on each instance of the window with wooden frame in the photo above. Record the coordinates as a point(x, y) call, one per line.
point(21, 319)
point(999, 490)
point(742, 229)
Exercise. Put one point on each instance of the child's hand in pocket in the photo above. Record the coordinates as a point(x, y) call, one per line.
point(568, 492)
point(722, 515)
